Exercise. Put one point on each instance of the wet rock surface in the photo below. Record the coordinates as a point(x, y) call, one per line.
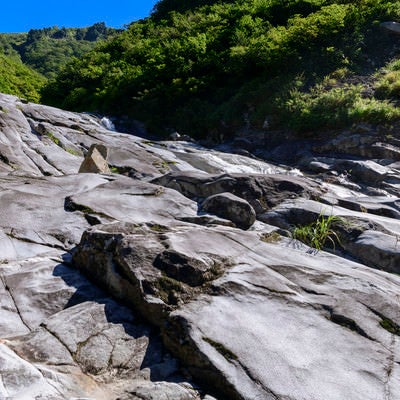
point(128, 285)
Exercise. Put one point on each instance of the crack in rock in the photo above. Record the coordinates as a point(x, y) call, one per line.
point(50, 382)
point(8, 289)
point(389, 368)
point(14, 235)
point(45, 327)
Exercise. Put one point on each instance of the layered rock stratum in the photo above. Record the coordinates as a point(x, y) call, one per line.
point(175, 276)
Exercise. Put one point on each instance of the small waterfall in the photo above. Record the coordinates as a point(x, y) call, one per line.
point(108, 124)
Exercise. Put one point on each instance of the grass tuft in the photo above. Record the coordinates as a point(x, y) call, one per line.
point(318, 233)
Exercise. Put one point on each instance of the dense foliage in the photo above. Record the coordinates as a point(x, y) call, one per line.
point(18, 79)
point(47, 50)
point(207, 66)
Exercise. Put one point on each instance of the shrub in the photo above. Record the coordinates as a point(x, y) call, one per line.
point(199, 66)
point(373, 111)
point(334, 108)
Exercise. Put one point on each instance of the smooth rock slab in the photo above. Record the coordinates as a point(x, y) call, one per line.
point(42, 286)
point(288, 341)
point(19, 379)
point(377, 249)
point(279, 324)
point(124, 199)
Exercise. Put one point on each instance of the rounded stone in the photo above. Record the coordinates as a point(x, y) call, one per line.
point(227, 205)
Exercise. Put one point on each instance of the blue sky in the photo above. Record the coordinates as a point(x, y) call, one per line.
point(22, 15)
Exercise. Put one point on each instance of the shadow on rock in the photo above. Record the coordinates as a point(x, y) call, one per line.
point(96, 324)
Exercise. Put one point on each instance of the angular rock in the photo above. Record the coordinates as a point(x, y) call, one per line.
point(161, 274)
point(95, 160)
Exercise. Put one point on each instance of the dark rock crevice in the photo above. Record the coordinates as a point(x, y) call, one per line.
point(346, 322)
point(386, 323)
point(389, 368)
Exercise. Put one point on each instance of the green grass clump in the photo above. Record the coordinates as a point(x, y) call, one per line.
point(318, 233)
point(53, 138)
point(388, 81)
point(73, 152)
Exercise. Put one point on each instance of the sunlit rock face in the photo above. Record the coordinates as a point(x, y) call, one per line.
point(143, 282)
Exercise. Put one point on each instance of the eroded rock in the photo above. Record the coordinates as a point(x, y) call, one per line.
point(171, 291)
point(280, 302)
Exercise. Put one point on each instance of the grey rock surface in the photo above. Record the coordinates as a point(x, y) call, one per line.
point(118, 286)
point(161, 391)
point(266, 316)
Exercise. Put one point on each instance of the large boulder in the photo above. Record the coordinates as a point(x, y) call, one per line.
point(231, 207)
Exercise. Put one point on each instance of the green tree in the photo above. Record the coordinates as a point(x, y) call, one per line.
point(200, 66)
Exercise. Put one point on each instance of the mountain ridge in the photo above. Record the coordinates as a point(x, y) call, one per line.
point(46, 50)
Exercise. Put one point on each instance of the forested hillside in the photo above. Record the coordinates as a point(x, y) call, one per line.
point(18, 79)
point(211, 66)
point(47, 50)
